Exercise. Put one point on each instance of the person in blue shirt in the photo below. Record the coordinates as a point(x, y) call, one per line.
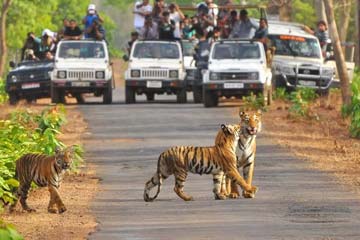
point(90, 17)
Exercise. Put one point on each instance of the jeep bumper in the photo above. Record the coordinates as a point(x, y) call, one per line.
point(234, 89)
point(155, 86)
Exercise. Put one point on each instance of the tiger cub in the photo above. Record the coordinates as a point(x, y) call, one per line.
point(250, 126)
point(44, 171)
point(217, 160)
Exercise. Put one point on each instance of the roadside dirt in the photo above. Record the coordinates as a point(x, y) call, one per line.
point(325, 143)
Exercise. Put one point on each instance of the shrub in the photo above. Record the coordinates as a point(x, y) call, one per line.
point(353, 109)
point(301, 101)
point(8, 232)
point(280, 94)
point(254, 102)
point(3, 94)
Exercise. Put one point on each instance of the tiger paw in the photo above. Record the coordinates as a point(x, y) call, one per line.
point(220, 197)
point(52, 210)
point(248, 194)
point(62, 209)
point(234, 195)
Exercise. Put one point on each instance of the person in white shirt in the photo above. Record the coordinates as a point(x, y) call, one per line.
point(141, 10)
point(177, 16)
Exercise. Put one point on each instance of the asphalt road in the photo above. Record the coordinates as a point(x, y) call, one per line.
point(294, 202)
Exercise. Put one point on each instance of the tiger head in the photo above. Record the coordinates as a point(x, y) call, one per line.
point(64, 157)
point(228, 135)
point(250, 122)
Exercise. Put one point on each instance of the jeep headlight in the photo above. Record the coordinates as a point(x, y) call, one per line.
point(13, 78)
point(61, 74)
point(100, 74)
point(287, 70)
point(135, 73)
point(253, 76)
point(214, 76)
point(173, 73)
point(328, 72)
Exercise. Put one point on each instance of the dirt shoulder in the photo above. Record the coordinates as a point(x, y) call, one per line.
point(325, 143)
point(77, 191)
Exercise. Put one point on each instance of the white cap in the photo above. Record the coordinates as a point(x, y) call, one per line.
point(91, 7)
point(48, 32)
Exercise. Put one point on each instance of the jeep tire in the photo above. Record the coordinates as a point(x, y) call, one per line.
point(57, 95)
point(197, 93)
point(210, 99)
point(181, 96)
point(129, 95)
point(107, 94)
point(13, 98)
point(150, 96)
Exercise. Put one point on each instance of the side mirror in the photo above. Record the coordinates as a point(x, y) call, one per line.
point(125, 58)
point(12, 64)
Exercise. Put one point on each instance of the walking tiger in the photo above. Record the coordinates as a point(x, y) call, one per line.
point(217, 160)
point(45, 171)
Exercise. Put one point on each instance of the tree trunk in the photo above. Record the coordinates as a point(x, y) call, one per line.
point(320, 10)
point(339, 55)
point(280, 7)
point(3, 48)
point(344, 18)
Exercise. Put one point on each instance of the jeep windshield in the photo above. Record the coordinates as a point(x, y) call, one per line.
point(289, 45)
point(81, 50)
point(236, 51)
point(156, 50)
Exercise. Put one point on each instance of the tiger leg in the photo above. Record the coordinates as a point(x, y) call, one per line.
point(180, 178)
point(52, 203)
point(56, 198)
point(234, 175)
point(223, 190)
point(248, 171)
point(233, 187)
point(23, 192)
point(17, 197)
point(219, 181)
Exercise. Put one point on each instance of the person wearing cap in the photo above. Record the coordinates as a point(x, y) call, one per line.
point(245, 28)
point(73, 32)
point(166, 27)
point(90, 17)
point(141, 10)
point(149, 30)
point(46, 42)
point(177, 16)
point(30, 56)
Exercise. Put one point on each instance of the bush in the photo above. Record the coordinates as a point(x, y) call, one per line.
point(3, 94)
point(8, 232)
point(301, 101)
point(254, 102)
point(280, 94)
point(26, 132)
point(353, 109)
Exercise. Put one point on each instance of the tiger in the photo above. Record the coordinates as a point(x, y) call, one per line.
point(250, 126)
point(44, 171)
point(216, 160)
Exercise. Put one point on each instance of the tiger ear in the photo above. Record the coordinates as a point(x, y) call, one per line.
point(57, 150)
point(241, 114)
point(225, 129)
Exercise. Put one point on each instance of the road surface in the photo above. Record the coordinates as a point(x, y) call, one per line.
point(294, 201)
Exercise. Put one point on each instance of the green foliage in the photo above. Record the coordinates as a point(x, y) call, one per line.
point(301, 101)
point(8, 232)
point(353, 109)
point(303, 11)
point(27, 132)
point(3, 94)
point(281, 94)
point(254, 102)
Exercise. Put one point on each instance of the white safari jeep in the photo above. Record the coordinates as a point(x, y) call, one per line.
point(236, 68)
point(81, 66)
point(155, 67)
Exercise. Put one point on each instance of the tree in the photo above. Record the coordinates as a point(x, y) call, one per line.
point(3, 47)
point(339, 55)
point(344, 7)
point(283, 7)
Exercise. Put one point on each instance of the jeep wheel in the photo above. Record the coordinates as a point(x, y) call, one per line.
point(79, 98)
point(57, 96)
point(197, 93)
point(150, 96)
point(107, 94)
point(181, 96)
point(13, 99)
point(129, 95)
point(210, 99)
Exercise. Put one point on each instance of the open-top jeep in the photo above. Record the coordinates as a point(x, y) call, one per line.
point(82, 66)
point(236, 68)
point(155, 67)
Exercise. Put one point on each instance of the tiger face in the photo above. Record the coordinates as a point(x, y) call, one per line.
point(64, 157)
point(231, 130)
point(250, 122)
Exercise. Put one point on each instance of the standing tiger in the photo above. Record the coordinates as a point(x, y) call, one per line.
point(45, 171)
point(217, 160)
point(250, 126)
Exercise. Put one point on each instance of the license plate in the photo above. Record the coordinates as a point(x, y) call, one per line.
point(233, 85)
point(153, 84)
point(30, 85)
point(307, 83)
point(80, 84)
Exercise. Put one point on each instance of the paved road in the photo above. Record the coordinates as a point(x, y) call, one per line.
point(293, 202)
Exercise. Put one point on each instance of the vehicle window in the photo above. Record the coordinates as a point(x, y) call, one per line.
point(236, 51)
point(295, 46)
point(81, 50)
point(189, 48)
point(156, 50)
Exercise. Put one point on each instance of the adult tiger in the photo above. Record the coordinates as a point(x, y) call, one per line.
point(45, 171)
point(215, 160)
point(250, 126)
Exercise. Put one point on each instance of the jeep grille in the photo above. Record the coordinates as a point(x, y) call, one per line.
point(81, 75)
point(154, 73)
point(234, 76)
